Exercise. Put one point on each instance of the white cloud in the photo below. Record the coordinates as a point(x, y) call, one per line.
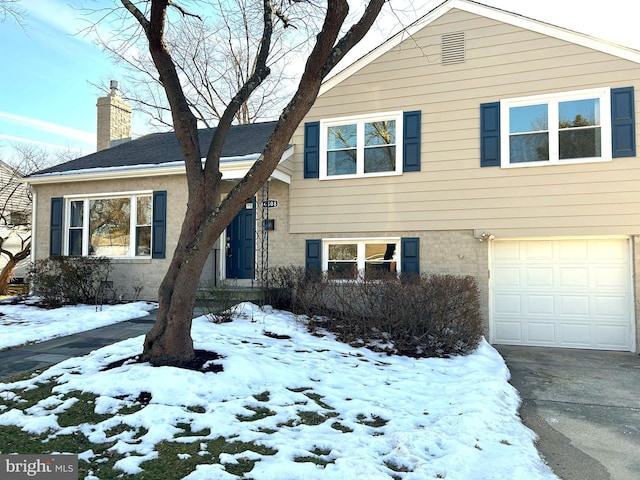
point(49, 127)
point(54, 146)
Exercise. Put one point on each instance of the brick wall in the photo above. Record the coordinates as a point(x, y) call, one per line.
point(114, 120)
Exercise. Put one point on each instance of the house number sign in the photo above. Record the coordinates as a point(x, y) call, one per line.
point(269, 203)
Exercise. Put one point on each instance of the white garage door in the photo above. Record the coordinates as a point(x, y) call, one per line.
point(562, 293)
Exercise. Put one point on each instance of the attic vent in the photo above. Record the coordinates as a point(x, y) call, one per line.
point(453, 48)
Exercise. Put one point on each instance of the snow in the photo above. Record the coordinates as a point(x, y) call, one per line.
point(378, 416)
point(22, 323)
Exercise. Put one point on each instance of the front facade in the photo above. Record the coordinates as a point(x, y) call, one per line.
point(521, 171)
point(476, 143)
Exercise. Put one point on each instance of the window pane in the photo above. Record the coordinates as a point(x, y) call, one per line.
point(579, 113)
point(533, 147)
point(582, 143)
point(75, 242)
point(143, 241)
point(342, 136)
point(379, 159)
point(143, 211)
point(380, 133)
point(341, 162)
point(343, 261)
point(342, 271)
point(380, 259)
point(346, 251)
point(530, 118)
point(76, 214)
point(109, 227)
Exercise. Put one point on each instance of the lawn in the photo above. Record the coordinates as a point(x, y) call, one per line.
point(278, 403)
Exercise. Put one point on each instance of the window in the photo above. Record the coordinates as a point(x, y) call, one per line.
point(347, 259)
point(361, 146)
point(118, 226)
point(562, 128)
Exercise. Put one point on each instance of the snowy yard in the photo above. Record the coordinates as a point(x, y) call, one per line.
point(294, 405)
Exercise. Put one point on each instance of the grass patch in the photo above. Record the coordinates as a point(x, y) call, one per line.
point(315, 418)
point(395, 467)
point(259, 414)
point(341, 428)
point(28, 397)
point(262, 397)
point(318, 399)
point(187, 432)
point(168, 460)
point(372, 421)
point(316, 457)
point(82, 411)
point(299, 389)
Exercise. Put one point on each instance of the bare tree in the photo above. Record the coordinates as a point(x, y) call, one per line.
point(10, 9)
point(214, 56)
point(15, 204)
point(169, 342)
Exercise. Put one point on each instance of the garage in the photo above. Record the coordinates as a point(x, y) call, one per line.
point(570, 293)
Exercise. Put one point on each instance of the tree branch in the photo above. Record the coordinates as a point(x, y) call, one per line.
point(260, 72)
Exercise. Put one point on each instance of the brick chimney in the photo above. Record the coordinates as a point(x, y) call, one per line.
point(114, 119)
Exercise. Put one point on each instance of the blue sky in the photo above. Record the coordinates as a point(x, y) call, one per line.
point(46, 96)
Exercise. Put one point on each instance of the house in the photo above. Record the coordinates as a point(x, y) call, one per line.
point(15, 216)
point(476, 142)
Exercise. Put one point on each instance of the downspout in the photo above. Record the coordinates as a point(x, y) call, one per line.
point(34, 209)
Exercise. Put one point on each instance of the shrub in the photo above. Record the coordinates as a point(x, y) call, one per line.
point(422, 316)
point(220, 302)
point(71, 280)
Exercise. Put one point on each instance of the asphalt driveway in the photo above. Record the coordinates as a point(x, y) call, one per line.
point(585, 407)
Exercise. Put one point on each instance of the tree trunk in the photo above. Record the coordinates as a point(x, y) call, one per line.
point(6, 274)
point(169, 342)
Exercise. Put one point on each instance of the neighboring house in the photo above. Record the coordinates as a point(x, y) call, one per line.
point(477, 142)
point(15, 216)
point(15, 205)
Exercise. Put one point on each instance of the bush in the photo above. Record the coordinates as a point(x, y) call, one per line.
point(71, 280)
point(421, 316)
point(220, 302)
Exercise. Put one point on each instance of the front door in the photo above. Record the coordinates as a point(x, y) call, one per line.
point(241, 240)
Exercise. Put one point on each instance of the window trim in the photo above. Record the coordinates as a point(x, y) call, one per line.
point(361, 243)
point(86, 199)
point(553, 99)
point(397, 115)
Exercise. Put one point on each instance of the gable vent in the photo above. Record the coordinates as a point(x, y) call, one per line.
point(453, 48)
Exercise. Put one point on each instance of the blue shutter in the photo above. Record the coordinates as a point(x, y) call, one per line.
point(55, 228)
point(159, 226)
point(490, 134)
point(312, 150)
point(410, 255)
point(411, 141)
point(313, 256)
point(623, 125)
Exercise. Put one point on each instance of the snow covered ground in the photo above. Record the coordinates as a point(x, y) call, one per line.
point(23, 323)
point(375, 416)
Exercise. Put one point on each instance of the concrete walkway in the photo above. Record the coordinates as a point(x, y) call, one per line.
point(44, 354)
point(585, 407)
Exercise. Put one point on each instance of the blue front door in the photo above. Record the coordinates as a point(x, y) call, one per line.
point(241, 241)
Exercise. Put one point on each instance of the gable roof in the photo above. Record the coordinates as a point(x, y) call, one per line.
point(494, 13)
point(161, 152)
